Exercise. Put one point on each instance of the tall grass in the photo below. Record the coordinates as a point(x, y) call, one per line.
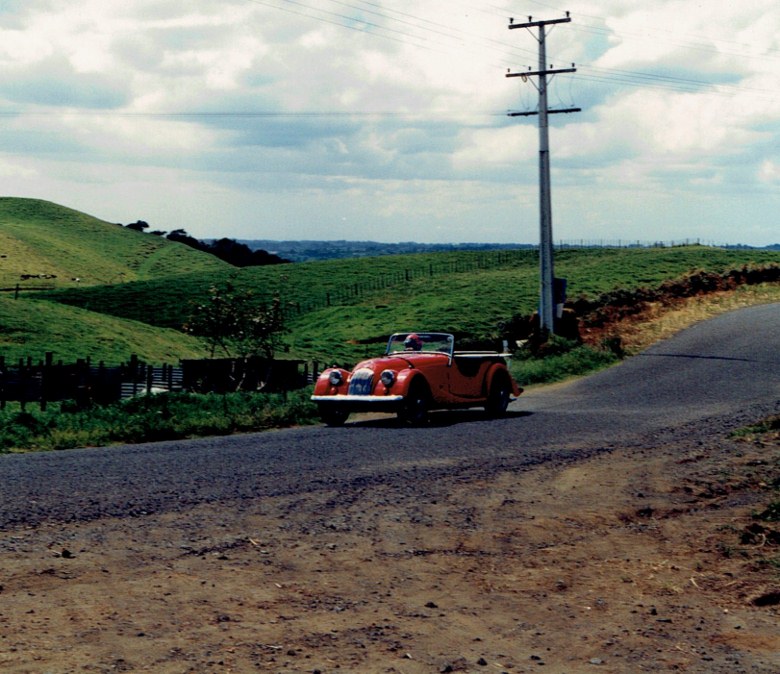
point(152, 418)
point(562, 360)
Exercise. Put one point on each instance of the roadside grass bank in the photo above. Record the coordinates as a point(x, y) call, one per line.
point(659, 321)
point(151, 418)
point(565, 359)
point(766, 431)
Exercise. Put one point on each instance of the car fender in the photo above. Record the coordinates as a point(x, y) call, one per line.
point(404, 380)
point(500, 370)
point(324, 387)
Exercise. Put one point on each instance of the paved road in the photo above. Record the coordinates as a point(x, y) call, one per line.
point(709, 379)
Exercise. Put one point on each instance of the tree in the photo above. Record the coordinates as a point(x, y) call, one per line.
point(231, 251)
point(181, 236)
point(138, 225)
point(240, 255)
point(237, 324)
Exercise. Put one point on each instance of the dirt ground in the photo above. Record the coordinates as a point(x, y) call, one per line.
point(633, 561)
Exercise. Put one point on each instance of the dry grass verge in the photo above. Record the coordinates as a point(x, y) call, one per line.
point(660, 321)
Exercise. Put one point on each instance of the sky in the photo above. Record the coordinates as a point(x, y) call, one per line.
point(387, 121)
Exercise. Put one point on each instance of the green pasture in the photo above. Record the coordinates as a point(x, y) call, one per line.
point(135, 291)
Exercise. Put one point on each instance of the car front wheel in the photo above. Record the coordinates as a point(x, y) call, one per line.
point(415, 407)
point(333, 416)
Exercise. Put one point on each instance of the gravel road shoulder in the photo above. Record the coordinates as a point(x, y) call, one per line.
point(634, 560)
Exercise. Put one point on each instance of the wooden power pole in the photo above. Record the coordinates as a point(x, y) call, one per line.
point(546, 270)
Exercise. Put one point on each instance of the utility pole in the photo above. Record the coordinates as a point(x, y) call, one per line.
point(546, 271)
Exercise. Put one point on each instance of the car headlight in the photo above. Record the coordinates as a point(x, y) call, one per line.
point(336, 378)
point(387, 378)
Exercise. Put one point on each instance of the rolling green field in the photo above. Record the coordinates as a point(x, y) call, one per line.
point(137, 290)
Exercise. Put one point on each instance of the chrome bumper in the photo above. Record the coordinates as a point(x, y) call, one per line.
point(358, 399)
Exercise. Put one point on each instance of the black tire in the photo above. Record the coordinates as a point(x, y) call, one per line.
point(414, 411)
point(333, 416)
point(498, 398)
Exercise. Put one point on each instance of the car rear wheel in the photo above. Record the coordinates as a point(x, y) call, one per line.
point(333, 416)
point(498, 398)
point(416, 405)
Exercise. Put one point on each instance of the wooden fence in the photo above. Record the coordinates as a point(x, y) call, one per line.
point(84, 383)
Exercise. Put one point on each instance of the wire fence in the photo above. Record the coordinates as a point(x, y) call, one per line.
point(627, 243)
point(356, 292)
point(82, 383)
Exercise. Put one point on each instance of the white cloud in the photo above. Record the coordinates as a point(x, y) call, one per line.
point(769, 172)
point(292, 117)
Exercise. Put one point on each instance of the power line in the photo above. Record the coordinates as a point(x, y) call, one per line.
point(416, 31)
point(180, 114)
point(336, 20)
point(546, 271)
point(424, 33)
point(679, 39)
point(447, 37)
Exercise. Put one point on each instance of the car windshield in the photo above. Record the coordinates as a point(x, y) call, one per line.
point(416, 342)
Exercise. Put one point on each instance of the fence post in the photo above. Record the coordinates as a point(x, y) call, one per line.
point(134, 372)
point(46, 379)
point(22, 385)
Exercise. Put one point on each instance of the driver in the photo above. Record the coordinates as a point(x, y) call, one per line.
point(412, 343)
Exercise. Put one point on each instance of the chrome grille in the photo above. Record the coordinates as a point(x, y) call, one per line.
point(362, 382)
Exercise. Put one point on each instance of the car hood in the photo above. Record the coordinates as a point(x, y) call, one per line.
point(399, 362)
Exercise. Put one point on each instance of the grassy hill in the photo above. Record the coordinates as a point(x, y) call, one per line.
point(58, 245)
point(43, 239)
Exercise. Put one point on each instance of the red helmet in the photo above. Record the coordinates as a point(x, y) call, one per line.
point(413, 343)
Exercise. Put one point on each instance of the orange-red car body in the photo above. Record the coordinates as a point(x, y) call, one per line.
point(419, 372)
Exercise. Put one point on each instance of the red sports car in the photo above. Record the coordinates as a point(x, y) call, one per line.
point(420, 371)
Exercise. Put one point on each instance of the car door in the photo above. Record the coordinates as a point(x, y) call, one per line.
point(467, 374)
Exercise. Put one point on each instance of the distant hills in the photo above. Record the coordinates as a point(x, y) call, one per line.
point(307, 250)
